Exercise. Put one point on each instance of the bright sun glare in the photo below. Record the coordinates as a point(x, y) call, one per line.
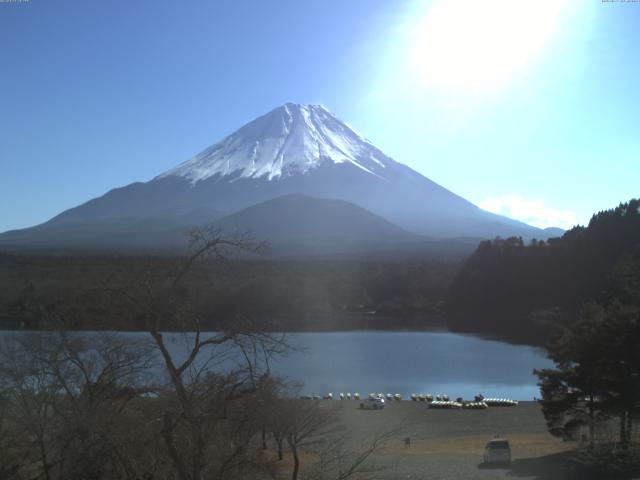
point(479, 44)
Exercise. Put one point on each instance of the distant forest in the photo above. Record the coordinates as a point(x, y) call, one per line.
point(314, 295)
point(507, 288)
point(519, 291)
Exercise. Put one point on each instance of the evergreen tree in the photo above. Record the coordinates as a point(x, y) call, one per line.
point(597, 372)
point(505, 284)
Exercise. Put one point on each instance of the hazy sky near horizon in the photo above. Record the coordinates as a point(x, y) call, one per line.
point(527, 108)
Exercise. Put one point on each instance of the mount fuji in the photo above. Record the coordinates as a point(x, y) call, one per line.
point(294, 152)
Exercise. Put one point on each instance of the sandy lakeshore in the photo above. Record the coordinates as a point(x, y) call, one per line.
point(449, 444)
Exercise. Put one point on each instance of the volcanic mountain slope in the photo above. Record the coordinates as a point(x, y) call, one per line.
point(292, 149)
point(294, 223)
point(299, 223)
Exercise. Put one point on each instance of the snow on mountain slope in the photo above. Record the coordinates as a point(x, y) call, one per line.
point(288, 140)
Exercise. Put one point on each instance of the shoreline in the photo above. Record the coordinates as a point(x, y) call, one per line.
point(347, 329)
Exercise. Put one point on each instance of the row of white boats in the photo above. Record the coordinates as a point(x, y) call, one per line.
point(486, 403)
point(479, 402)
point(437, 401)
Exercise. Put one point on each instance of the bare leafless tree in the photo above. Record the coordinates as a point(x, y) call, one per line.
point(66, 401)
point(309, 423)
point(314, 428)
point(278, 423)
point(216, 376)
point(183, 403)
point(340, 459)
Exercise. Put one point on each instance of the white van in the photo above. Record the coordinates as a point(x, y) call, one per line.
point(497, 451)
point(372, 404)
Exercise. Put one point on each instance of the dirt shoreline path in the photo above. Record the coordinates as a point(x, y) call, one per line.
point(449, 444)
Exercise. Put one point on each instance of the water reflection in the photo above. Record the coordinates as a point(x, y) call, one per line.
point(395, 362)
point(407, 362)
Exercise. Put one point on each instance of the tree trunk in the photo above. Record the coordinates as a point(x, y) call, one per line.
point(174, 455)
point(296, 463)
point(629, 424)
point(43, 458)
point(591, 421)
point(623, 426)
point(264, 437)
point(279, 442)
point(198, 461)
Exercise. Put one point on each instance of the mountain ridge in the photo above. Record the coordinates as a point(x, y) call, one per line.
point(293, 149)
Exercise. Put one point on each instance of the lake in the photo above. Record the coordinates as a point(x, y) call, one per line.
point(413, 362)
point(406, 363)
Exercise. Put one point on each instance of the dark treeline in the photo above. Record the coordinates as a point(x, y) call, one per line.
point(507, 288)
point(287, 295)
point(593, 391)
point(518, 291)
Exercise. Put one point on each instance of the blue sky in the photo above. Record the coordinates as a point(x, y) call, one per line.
point(531, 111)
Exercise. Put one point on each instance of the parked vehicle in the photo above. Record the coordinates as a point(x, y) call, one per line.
point(372, 404)
point(497, 451)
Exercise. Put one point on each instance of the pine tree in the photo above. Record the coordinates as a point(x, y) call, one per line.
point(597, 372)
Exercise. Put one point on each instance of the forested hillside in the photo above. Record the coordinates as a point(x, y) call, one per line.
point(38, 291)
point(516, 290)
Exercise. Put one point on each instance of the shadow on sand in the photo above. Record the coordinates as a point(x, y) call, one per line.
point(558, 466)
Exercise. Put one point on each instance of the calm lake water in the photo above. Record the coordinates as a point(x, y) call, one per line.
point(405, 363)
point(413, 362)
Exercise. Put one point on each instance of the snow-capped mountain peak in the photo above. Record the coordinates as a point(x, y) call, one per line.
point(291, 151)
point(288, 140)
